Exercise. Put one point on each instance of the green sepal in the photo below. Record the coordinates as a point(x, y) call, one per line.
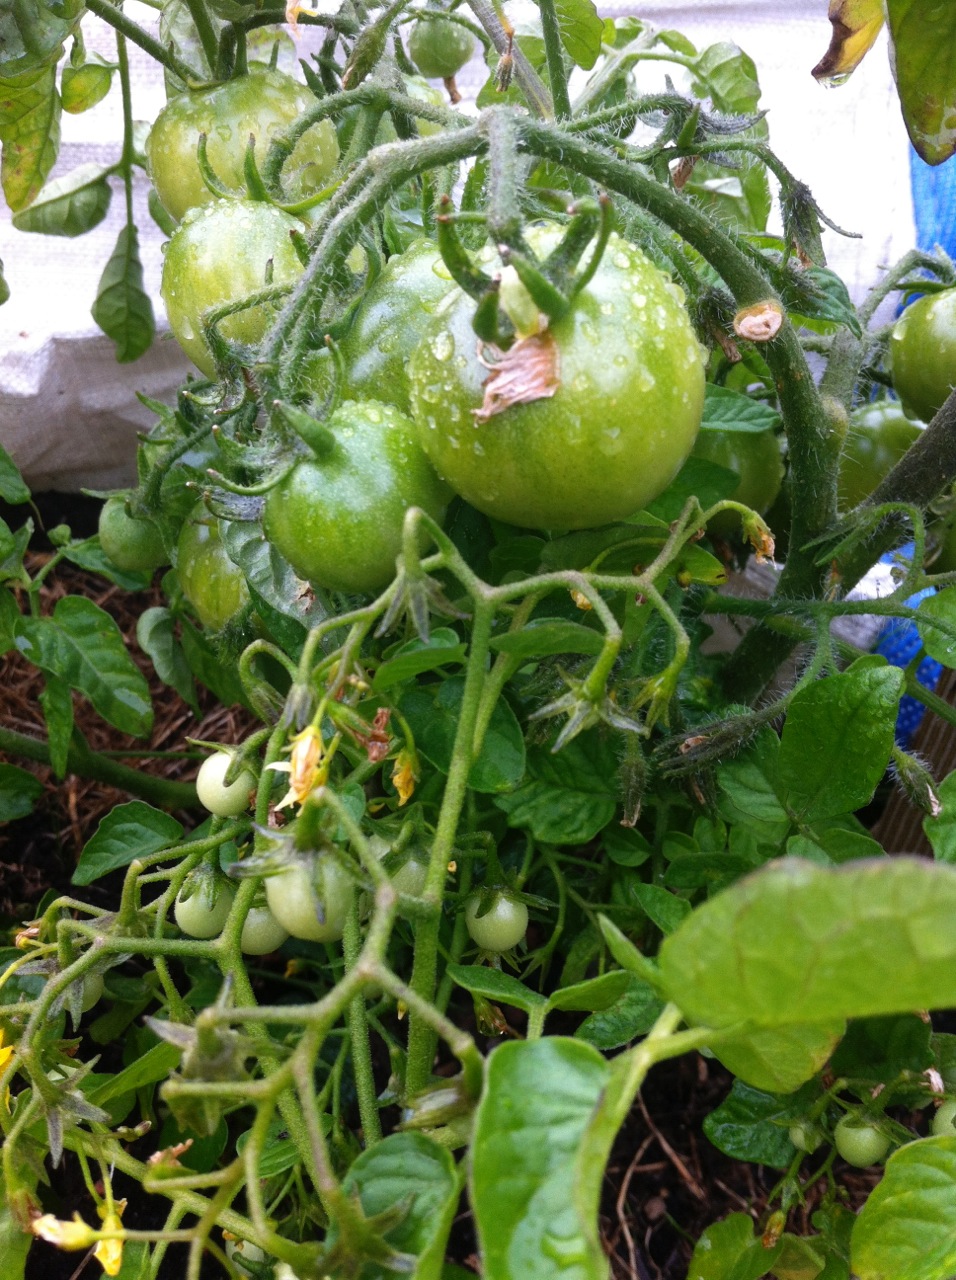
point(319, 439)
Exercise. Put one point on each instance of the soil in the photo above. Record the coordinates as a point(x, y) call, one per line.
point(664, 1183)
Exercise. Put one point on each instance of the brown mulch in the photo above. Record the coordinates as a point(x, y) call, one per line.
point(664, 1183)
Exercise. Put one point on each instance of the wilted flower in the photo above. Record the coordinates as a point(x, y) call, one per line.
point(308, 766)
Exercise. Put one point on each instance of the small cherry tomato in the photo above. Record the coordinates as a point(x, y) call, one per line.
point(860, 1144)
point(923, 353)
point(499, 928)
point(262, 933)
point(439, 48)
point(203, 902)
point(226, 800)
point(878, 436)
point(310, 899)
point(213, 585)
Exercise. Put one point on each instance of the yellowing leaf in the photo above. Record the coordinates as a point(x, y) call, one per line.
point(856, 24)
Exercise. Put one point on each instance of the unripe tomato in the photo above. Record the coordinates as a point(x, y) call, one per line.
point(302, 892)
point(387, 327)
point(755, 457)
point(628, 392)
point(92, 991)
point(944, 1121)
point(805, 1136)
point(261, 104)
point(203, 913)
point(131, 544)
point(860, 1144)
point(923, 353)
point(439, 48)
point(261, 933)
point(501, 927)
point(213, 585)
point(225, 799)
point(222, 253)
point(878, 436)
point(338, 519)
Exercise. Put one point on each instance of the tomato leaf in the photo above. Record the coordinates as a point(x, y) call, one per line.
point(89, 555)
point(530, 1183)
point(581, 31)
point(270, 575)
point(433, 714)
point(837, 740)
point(83, 646)
point(907, 1228)
point(593, 994)
point(941, 830)
point(18, 791)
point(796, 943)
point(122, 308)
point(443, 648)
point(12, 487)
point(729, 1250)
point(69, 206)
point(129, 831)
point(57, 703)
point(546, 637)
point(220, 679)
point(83, 87)
point(155, 635)
point(409, 1172)
point(632, 1014)
point(726, 410)
point(752, 1125)
point(481, 980)
point(32, 36)
point(780, 1059)
point(923, 34)
point(939, 608)
point(567, 798)
point(30, 132)
point(856, 24)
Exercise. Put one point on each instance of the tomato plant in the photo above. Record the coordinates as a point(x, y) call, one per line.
point(221, 254)
point(338, 518)
point(261, 104)
point(923, 353)
point(616, 414)
point(944, 1121)
point(519, 706)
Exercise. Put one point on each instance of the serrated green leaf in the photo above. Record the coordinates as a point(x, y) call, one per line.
point(129, 831)
point(751, 1124)
point(568, 797)
point(433, 714)
point(837, 740)
point(406, 1171)
point(530, 1182)
point(30, 114)
point(907, 1228)
point(726, 410)
point(729, 1250)
point(19, 789)
point(83, 646)
point(795, 943)
point(68, 206)
point(821, 302)
point(122, 308)
point(940, 607)
point(12, 487)
point(923, 36)
point(581, 31)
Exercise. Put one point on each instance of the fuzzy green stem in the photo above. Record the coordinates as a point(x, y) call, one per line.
point(554, 52)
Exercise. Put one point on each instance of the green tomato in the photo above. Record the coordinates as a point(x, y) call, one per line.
point(338, 519)
point(499, 928)
point(805, 1136)
point(225, 799)
point(860, 1144)
point(222, 253)
point(131, 544)
point(878, 436)
point(311, 899)
point(410, 877)
point(439, 48)
point(755, 457)
point(261, 104)
point(92, 991)
point(622, 395)
point(944, 1121)
point(387, 327)
point(923, 353)
point(261, 933)
point(203, 912)
point(213, 585)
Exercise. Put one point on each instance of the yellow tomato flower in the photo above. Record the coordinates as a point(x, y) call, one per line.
point(65, 1235)
point(109, 1253)
point(308, 766)
point(6, 1052)
point(403, 776)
